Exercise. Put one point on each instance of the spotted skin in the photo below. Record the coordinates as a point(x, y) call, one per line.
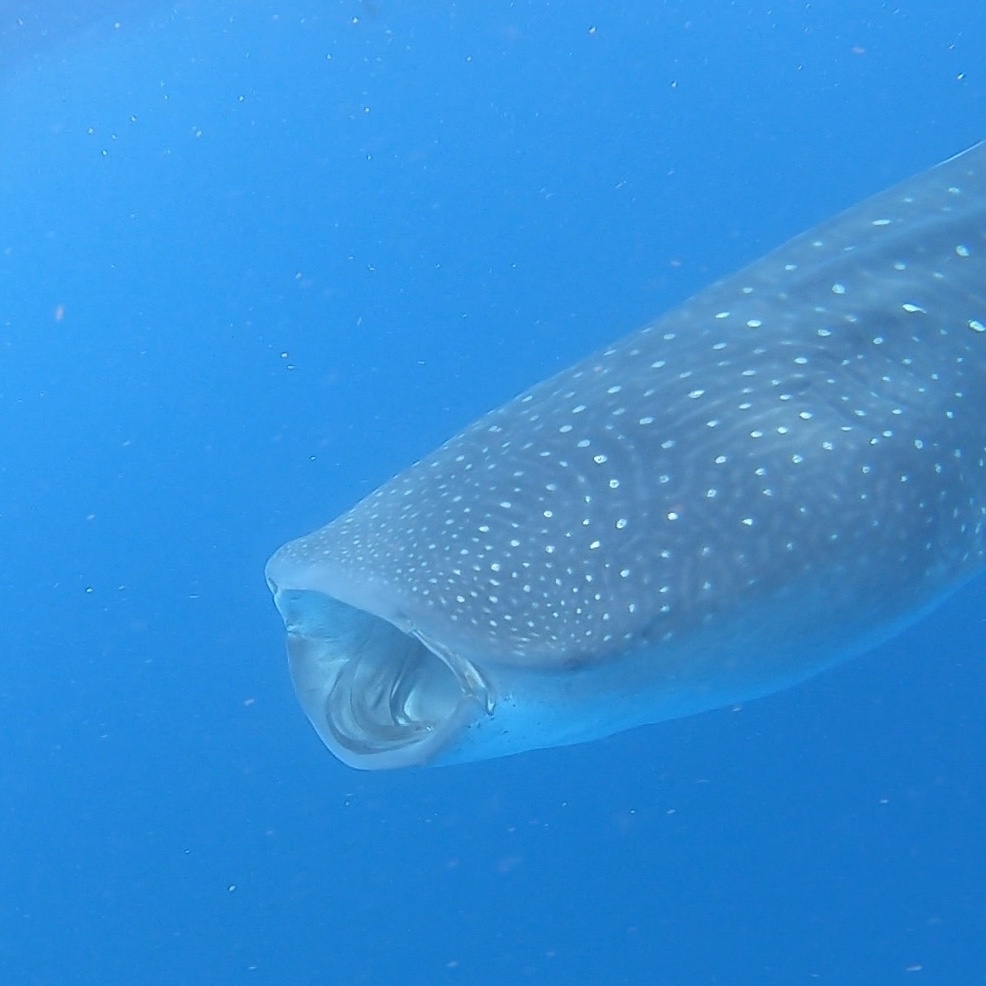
point(773, 476)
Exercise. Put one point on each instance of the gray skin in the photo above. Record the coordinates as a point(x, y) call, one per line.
point(771, 478)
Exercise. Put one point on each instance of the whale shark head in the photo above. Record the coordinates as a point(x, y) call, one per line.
point(767, 480)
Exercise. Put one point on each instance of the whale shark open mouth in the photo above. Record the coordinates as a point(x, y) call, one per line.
point(377, 696)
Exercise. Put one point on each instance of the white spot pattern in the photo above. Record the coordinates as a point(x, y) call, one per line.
point(817, 420)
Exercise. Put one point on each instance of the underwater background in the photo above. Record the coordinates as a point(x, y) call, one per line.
point(257, 257)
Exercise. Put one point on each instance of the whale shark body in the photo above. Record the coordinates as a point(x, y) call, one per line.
point(773, 477)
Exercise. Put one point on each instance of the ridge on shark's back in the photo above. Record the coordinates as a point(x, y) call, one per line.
point(771, 478)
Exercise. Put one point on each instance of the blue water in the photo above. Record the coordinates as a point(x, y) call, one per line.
point(257, 257)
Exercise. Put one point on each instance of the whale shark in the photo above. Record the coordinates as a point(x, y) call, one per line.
point(777, 475)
